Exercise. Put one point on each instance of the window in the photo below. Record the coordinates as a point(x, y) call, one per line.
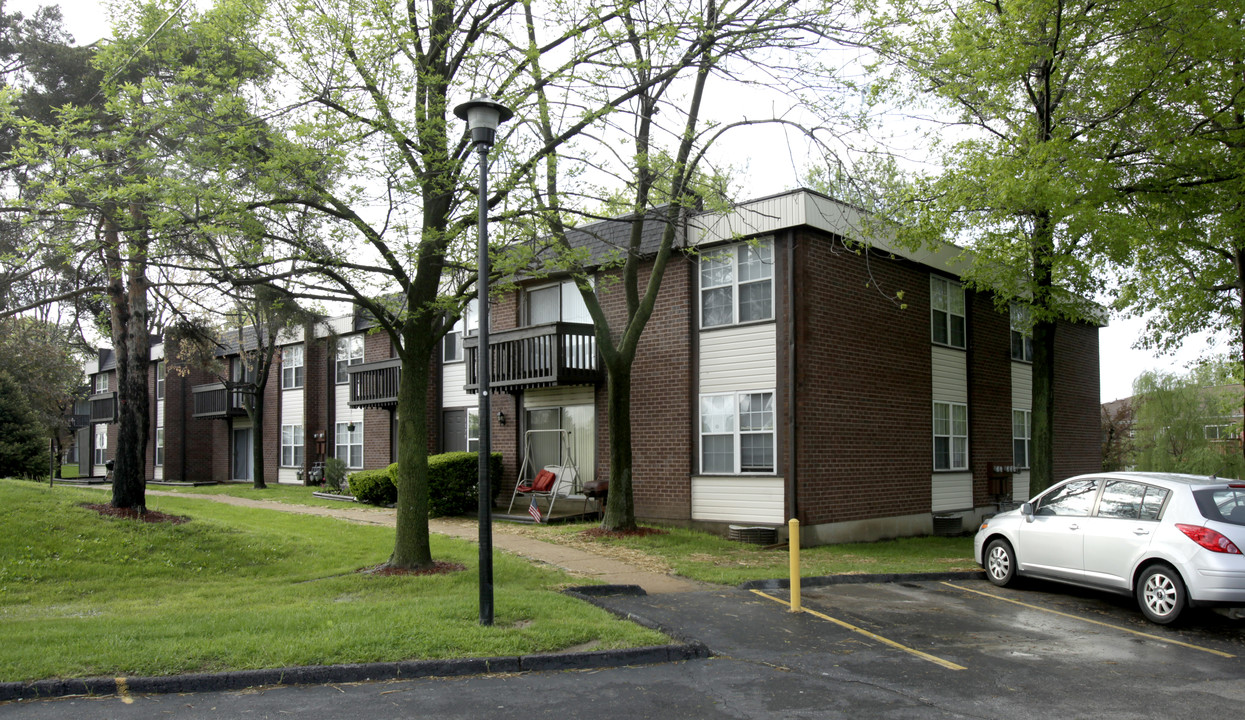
point(350, 444)
point(946, 312)
point(242, 368)
point(101, 444)
point(291, 446)
point(159, 447)
point(1131, 500)
point(555, 303)
point(1217, 432)
point(737, 433)
point(1022, 433)
point(291, 367)
point(160, 380)
point(453, 343)
point(473, 429)
point(950, 436)
point(101, 383)
point(349, 352)
point(737, 285)
point(1022, 334)
point(1075, 498)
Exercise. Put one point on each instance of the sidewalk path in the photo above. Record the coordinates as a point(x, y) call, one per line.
point(603, 564)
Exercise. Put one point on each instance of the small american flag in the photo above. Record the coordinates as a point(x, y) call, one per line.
point(534, 510)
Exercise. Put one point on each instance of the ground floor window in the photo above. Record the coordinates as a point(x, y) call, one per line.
point(159, 447)
point(950, 436)
point(291, 446)
point(577, 444)
point(737, 433)
point(101, 444)
point(349, 447)
point(1022, 433)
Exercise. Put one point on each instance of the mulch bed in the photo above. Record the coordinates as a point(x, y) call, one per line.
point(438, 568)
point(638, 532)
point(151, 516)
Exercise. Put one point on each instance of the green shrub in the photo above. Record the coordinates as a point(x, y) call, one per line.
point(334, 474)
point(452, 480)
point(374, 487)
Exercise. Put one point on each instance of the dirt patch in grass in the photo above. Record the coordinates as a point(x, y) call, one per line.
point(438, 568)
point(596, 533)
point(151, 516)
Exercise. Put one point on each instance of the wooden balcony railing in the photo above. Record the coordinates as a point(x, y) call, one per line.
point(104, 408)
point(539, 356)
point(216, 400)
point(375, 384)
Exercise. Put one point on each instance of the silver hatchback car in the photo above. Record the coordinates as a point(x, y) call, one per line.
point(1172, 541)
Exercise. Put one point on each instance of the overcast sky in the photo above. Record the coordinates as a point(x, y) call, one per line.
point(1120, 363)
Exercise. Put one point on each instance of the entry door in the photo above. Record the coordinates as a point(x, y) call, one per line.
point(242, 454)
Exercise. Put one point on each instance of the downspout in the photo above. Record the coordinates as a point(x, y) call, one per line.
point(793, 495)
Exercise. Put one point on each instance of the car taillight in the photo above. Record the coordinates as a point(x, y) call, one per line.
point(1210, 539)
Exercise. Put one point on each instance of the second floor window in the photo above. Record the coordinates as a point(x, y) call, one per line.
point(291, 366)
point(160, 380)
point(1022, 334)
point(555, 303)
point(349, 352)
point(737, 285)
point(101, 383)
point(946, 303)
point(453, 342)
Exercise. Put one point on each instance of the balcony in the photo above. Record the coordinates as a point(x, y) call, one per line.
point(216, 400)
point(533, 357)
point(375, 384)
point(103, 408)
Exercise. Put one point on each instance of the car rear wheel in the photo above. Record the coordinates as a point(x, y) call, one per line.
point(1000, 562)
point(1161, 594)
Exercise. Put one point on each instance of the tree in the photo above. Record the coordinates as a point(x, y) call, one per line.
point(1030, 94)
point(1189, 423)
point(670, 54)
point(45, 364)
point(109, 183)
point(22, 452)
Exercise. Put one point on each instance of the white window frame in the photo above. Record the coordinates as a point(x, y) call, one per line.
point(101, 383)
point(291, 367)
point(351, 451)
point(957, 442)
point(947, 297)
point(1022, 432)
point(452, 345)
point(764, 252)
point(100, 450)
point(292, 446)
point(158, 459)
point(1021, 333)
point(349, 352)
point(570, 302)
point(473, 440)
point(733, 428)
point(160, 380)
point(1216, 432)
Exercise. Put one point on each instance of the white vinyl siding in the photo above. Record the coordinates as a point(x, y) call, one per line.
point(741, 358)
point(738, 499)
point(1022, 399)
point(453, 379)
point(558, 397)
point(948, 375)
point(951, 491)
point(293, 406)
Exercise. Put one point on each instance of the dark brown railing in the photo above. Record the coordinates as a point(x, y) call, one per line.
point(104, 407)
point(216, 400)
point(540, 356)
point(375, 384)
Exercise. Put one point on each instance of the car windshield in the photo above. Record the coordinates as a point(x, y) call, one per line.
point(1223, 505)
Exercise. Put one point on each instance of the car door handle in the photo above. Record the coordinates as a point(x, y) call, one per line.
point(1141, 531)
point(1074, 526)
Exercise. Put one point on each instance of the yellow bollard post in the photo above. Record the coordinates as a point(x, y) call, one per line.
point(793, 542)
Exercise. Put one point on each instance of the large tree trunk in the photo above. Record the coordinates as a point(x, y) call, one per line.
point(411, 549)
point(1042, 469)
point(132, 346)
point(620, 503)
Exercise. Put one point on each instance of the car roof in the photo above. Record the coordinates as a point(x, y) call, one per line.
point(1173, 478)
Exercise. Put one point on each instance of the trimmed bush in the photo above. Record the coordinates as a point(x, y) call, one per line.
point(451, 479)
point(334, 474)
point(374, 487)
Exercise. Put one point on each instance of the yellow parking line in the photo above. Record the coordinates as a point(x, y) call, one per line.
point(1095, 622)
point(924, 656)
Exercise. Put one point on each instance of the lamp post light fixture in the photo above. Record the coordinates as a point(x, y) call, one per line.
point(483, 116)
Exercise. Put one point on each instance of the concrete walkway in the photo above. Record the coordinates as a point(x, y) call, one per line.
point(583, 563)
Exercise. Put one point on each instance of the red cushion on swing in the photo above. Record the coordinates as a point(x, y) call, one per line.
point(544, 481)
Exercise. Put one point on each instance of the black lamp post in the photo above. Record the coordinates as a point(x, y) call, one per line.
point(483, 116)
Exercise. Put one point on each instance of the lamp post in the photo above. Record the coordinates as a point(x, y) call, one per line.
point(483, 116)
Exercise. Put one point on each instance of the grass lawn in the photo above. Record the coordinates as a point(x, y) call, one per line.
point(712, 558)
point(292, 494)
point(238, 588)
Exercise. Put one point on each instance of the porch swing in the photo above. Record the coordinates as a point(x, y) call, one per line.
point(552, 481)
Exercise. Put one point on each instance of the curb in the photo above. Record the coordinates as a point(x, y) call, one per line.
point(825, 580)
point(322, 674)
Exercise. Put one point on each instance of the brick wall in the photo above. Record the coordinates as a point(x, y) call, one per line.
point(863, 413)
point(1078, 423)
point(989, 392)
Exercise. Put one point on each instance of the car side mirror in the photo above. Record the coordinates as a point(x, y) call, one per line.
point(1026, 509)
